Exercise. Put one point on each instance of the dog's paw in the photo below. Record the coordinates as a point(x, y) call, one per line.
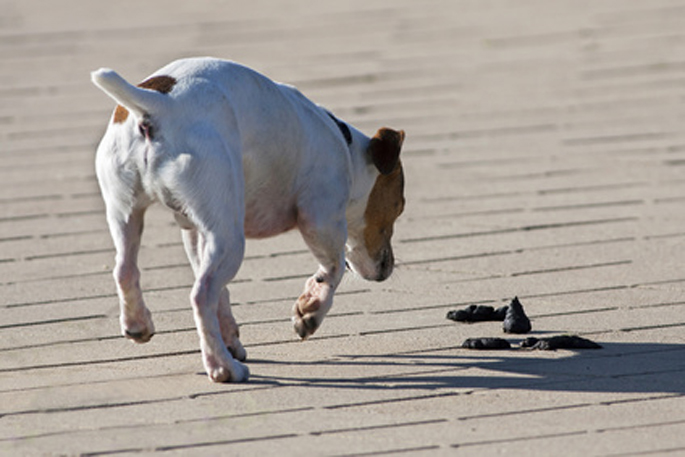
point(305, 326)
point(139, 329)
point(237, 350)
point(308, 307)
point(231, 337)
point(231, 371)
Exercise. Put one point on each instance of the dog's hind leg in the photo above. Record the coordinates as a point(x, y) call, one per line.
point(227, 323)
point(208, 185)
point(126, 231)
point(220, 254)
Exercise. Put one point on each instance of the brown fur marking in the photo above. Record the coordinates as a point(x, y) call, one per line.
point(386, 203)
point(384, 149)
point(120, 115)
point(162, 84)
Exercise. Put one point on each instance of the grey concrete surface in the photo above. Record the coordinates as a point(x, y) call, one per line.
point(545, 158)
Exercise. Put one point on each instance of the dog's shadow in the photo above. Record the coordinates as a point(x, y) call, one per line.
point(618, 367)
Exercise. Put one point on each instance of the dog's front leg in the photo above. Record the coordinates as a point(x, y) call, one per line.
point(327, 245)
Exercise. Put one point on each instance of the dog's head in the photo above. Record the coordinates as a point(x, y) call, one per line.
point(369, 252)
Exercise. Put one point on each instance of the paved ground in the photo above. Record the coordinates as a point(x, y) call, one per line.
point(545, 158)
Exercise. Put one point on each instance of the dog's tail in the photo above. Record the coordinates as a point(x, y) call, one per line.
point(139, 101)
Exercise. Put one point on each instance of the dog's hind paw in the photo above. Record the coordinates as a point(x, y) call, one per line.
point(233, 371)
point(139, 337)
point(138, 330)
point(237, 350)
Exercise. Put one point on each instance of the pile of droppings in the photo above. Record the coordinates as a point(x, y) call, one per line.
point(514, 320)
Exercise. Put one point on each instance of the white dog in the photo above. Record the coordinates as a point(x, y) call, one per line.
point(234, 155)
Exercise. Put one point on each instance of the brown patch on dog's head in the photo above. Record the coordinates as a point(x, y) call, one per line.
point(386, 203)
point(386, 200)
point(384, 149)
point(162, 84)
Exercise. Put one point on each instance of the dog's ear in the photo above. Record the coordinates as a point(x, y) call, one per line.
point(384, 149)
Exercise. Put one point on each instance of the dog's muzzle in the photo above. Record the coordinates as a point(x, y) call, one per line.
point(372, 269)
point(385, 266)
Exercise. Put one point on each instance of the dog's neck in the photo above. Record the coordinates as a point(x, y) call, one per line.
point(363, 173)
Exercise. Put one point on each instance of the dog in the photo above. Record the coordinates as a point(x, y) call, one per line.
point(235, 155)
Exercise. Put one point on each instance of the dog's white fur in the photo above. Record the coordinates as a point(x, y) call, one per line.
point(236, 155)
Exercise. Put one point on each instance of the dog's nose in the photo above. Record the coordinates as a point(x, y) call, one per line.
point(385, 266)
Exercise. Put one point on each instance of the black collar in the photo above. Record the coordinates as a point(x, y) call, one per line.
point(344, 129)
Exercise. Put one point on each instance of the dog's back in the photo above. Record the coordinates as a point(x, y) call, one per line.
point(270, 129)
